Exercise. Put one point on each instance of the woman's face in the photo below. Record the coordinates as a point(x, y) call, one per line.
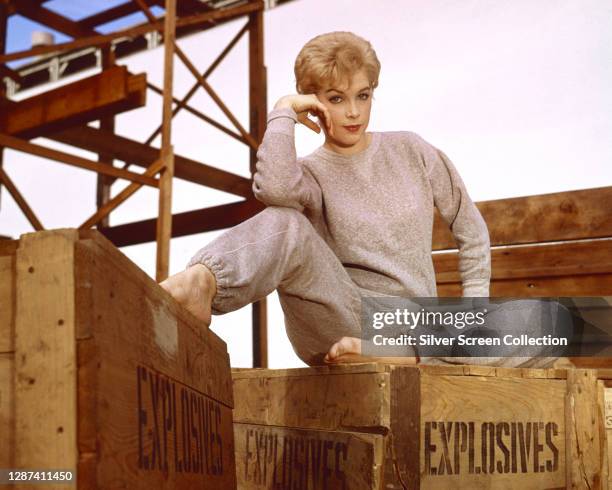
point(349, 107)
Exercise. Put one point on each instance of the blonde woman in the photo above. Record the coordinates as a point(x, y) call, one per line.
point(352, 219)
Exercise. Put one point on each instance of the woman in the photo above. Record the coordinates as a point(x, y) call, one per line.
point(352, 219)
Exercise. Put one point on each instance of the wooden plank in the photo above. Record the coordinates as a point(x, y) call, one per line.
point(603, 433)
point(103, 183)
point(20, 200)
point(257, 124)
point(61, 157)
point(151, 372)
point(164, 215)
point(136, 153)
point(102, 39)
point(45, 350)
point(315, 402)
point(215, 97)
point(581, 285)
point(110, 92)
point(278, 457)
point(121, 197)
point(187, 223)
point(365, 368)
point(584, 444)
point(114, 13)
point(547, 260)
point(36, 12)
point(487, 432)
point(402, 467)
point(7, 303)
point(7, 409)
point(543, 218)
point(95, 257)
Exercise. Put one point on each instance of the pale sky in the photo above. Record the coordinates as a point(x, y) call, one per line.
point(517, 94)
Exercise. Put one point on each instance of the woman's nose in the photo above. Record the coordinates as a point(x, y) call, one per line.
point(352, 111)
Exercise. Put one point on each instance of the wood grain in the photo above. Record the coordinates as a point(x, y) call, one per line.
point(109, 92)
point(270, 457)
point(7, 303)
point(465, 461)
point(559, 216)
point(584, 442)
point(315, 402)
point(45, 352)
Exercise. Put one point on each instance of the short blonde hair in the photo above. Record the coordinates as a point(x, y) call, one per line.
point(332, 58)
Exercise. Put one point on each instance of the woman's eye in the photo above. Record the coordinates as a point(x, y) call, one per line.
point(364, 96)
point(335, 99)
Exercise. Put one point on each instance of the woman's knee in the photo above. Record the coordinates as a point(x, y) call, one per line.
point(285, 216)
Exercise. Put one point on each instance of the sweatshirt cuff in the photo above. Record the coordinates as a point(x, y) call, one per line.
point(282, 121)
point(476, 289)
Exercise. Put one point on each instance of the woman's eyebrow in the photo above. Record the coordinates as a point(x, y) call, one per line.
point(341, 92)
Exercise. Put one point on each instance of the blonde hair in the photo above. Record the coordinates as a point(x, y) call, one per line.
point(332, 58)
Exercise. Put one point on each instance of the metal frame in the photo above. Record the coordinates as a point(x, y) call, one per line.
point(181, 17)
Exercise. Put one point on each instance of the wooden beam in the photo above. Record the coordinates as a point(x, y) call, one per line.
point(35, 11)
point(111, 14)
point(560, 216)
point(547, 260)
point(107, 93)
point(59, 156)
point(183, 102)
point(99, 40)
point(128, 150)
point(182, 105)
point(20, 200)
point(184, 224)
point(120, 198)
point(164, 217)
point(214, 96)
point(257, 125)
point(107, 123)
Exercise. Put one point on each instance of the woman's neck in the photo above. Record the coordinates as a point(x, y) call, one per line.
point(358, 147)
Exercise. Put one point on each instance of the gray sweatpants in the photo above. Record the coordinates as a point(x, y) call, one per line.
point(279, 249)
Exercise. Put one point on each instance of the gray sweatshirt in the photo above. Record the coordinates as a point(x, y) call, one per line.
point(375, 208)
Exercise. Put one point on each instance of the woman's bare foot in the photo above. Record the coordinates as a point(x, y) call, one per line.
point(348, 349)
point(194, 289)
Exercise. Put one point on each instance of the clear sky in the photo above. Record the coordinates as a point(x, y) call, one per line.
point(518, 94)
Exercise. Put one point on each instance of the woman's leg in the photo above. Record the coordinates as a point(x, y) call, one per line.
point(279, 249)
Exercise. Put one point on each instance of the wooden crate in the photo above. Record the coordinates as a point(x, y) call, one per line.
point(425, 427)
point(102, 373)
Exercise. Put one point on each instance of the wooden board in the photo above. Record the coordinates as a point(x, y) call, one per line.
point(127, 150)
point(535, 261)
point(45, 352)
point(560, 216)
point(276, 457)
point(7, 303)
point(109, 376)
point(158, 388)
point(474, 427)
point(538, 287)
point(488, 432)
point(107, 93)
point(7, 410)
point(314, 402)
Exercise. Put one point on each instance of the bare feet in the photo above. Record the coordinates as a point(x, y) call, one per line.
point(194, 289)
point(348, 349)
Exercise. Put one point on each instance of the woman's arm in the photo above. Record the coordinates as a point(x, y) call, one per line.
point(464, 220)
point(280, 180)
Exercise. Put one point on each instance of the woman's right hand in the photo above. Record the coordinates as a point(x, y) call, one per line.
point(304, 105)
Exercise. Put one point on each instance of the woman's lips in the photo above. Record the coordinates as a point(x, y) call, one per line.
point(353, 129)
